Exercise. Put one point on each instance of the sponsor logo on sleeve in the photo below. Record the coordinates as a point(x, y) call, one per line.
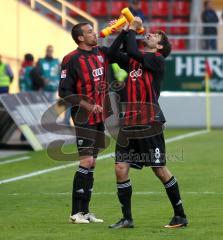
point(63, 73)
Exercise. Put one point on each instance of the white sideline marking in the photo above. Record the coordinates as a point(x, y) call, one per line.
point(186, 135)
point(14, 160)
point(109, 155)
point(32, 174)
point(188, 94)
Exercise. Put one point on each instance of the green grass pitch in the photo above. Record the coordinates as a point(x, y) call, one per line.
point(38, 207)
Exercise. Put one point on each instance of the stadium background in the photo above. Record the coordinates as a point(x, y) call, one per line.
point(35, 190)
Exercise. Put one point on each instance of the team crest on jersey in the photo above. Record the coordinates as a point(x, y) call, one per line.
point(100, 58)
point(63, 73)
point(80, 142)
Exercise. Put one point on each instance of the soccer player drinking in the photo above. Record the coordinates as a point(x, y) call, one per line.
point(143, 120)
point(83, 84)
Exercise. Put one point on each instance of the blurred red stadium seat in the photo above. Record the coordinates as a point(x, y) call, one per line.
point(98, 8)
point(181, 8)
point(80, 4)
point(53, 17)
point(159, 8)
point(179, 29)
point(178, 44)
point(145, 8)
point(117, 6)
point(161, 26)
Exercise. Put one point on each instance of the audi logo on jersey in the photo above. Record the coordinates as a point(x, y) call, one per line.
point(135, 73)
point(97, 73)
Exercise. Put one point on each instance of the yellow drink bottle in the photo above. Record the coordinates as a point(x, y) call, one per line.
point(111, 29)
point(129, 16)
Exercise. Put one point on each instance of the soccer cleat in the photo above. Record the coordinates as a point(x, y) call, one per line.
point(78, 219)
point(91, 218)
point(123, 223)
point(177, 222)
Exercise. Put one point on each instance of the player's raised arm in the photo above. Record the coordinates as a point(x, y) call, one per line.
point(115, 54)
point(132, 48)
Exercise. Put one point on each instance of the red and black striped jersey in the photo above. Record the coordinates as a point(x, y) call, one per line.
point(143, 90)
point(83, 75)
point(142, 87)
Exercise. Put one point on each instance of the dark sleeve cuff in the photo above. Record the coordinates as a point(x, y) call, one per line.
point(132, 31)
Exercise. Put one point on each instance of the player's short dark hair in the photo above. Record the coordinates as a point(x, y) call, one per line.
point(29, 57)
point(134, 1)
point(77, 31)
point(166, 50)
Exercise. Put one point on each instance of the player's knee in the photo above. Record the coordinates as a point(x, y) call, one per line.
point(121, 171)
point(94, 163)
point(87, 161)
point(162, 173)
point(159, 172)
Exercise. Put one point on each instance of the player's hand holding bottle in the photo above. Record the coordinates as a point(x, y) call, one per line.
point(136, 24)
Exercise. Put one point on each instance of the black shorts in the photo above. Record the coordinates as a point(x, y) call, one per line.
point(148, 151)
point(90, 139)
